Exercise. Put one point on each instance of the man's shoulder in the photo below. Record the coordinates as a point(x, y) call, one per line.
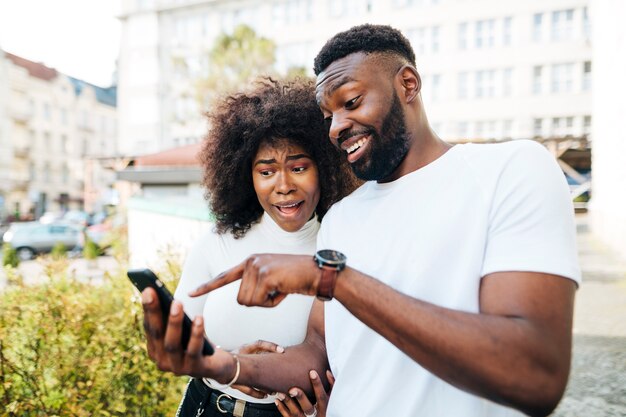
point(503, 149)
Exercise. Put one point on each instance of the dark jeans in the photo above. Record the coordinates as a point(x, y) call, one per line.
point(200, 401)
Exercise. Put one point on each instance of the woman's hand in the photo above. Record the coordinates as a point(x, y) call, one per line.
point(258, 347)
point(165, 348)
point(296, 404)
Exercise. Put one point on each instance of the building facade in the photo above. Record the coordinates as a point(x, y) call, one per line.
point(491, 69)
point(50, 126)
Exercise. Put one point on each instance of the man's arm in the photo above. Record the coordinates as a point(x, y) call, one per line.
point(271, 372)
point(516, 351)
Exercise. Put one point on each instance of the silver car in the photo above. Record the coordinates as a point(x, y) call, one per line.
point(31, 238)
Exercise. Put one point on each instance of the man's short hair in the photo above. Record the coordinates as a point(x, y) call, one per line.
point(364, 38)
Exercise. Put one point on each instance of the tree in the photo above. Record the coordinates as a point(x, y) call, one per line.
point(234, 60)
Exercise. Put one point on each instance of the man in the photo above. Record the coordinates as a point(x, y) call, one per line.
point(453, 271)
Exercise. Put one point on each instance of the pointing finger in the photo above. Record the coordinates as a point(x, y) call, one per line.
point(221, 280)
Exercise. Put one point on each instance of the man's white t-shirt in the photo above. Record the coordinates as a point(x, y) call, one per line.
point(432, 234)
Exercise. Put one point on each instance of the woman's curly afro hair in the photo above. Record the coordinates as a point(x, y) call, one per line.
point(270, 113)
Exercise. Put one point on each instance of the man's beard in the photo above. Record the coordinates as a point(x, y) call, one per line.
point(387, 149)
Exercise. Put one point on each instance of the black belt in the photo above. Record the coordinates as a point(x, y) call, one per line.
point(228, 405)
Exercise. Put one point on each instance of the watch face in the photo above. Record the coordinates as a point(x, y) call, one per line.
point(331, 257)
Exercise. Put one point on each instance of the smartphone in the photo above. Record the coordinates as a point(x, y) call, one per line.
point(144, 278)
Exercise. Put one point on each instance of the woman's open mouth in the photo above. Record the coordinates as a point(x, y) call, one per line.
point(289, 208)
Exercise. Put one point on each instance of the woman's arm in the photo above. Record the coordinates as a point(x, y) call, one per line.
point(272, 372)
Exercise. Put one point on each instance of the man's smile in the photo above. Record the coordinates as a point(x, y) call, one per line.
point(355, 146)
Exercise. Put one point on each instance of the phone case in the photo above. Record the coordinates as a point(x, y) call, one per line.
point(144, 278)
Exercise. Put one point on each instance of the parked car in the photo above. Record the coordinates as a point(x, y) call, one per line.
point(32, 238)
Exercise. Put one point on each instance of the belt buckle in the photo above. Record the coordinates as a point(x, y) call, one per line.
point(217, 403)
point(238, 410)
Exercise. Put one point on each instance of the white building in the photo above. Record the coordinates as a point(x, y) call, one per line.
point(50, 124)
point(491, 68)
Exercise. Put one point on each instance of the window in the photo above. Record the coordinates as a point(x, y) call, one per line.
point(478, 34)
point(462, 129)
point(537, 27)
point(506, 31)
point(537, 127)
point(65, 144)
point(507, 129)
point(479, 130)
point(537, 79)
point(484, 36)
point(490, 35)
point(485, 83)
point(562, 25)
point(65, 174)
point(434, 39)
point(586, 75)
point(418, 40)
point(562, 78)
point(432, 85)
point(586, 125)
point(46, 111)
point(462, 86)
point(463, 35)
point(586, 25)
point(507, 82)
point(557, 127)
point(479, 84)
point(569, 126)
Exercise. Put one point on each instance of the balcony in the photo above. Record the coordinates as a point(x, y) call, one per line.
point(21, 114)
point(21, 151)
point(20, 182)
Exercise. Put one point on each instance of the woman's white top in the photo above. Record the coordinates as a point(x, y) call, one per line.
point(228, 324)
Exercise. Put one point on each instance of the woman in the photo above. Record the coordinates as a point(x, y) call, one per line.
point(271, 174)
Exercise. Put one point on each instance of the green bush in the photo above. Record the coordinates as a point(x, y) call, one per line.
point(69, 348)
point(91, 250)
point(58, 250)
point(9, 256)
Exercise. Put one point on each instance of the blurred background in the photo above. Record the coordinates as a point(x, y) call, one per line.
point(101, 119)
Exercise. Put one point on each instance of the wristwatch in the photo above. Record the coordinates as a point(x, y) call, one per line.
point(331, 262)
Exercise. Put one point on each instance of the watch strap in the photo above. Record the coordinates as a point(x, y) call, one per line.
point(326, 286)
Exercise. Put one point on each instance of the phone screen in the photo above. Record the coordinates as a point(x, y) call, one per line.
point(144, 278)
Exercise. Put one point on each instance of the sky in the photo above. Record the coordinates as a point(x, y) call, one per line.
point(79, 38)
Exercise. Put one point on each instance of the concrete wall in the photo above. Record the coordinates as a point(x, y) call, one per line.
point(608, 204)
point(157, 228)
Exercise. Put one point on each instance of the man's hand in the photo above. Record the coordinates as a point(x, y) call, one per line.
point(267, 279)
point(165, 348)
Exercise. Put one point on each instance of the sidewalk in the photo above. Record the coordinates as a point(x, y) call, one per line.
point(597, 386)
point(32, 271)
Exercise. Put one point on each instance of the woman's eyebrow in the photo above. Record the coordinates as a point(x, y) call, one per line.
point(265, 161)
point(297, 156)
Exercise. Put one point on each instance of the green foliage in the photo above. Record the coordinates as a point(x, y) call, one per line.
point(9, 256)
point(91, 250)
point(118, 242)
point(58, 250)
point(235, 60)
point(69, 348)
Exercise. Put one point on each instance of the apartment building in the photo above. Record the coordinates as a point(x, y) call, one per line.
point(492, 69)
point(51, 125)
